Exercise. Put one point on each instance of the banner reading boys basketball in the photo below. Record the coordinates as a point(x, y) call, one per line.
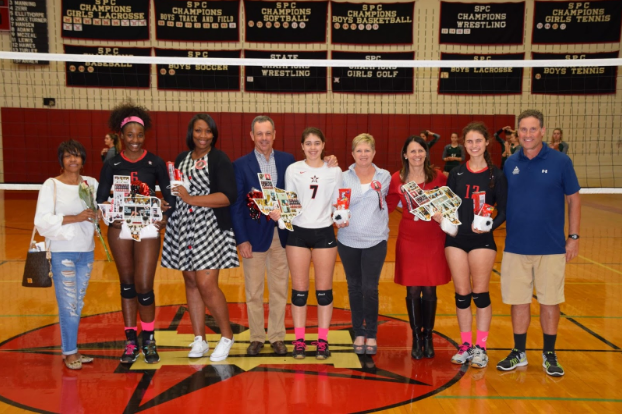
point(201, 77)
point(481, 81)
point(107, 74)
point(97, 19)
point(577, 21)
point(291, 22)
point(482, 23)
point(376, 80)
point(371, 23)
point(197, 21)
point(574, 80)
point(279, 79)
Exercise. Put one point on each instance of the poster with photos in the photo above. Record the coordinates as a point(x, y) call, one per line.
point(276, 198)
point(423, 204)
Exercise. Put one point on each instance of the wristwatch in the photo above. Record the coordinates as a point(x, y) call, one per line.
point(574, 236)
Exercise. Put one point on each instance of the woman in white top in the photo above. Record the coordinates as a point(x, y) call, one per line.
point(313, 237)
point(68, 229)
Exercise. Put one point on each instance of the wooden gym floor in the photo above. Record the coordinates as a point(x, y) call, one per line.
point(33, 378)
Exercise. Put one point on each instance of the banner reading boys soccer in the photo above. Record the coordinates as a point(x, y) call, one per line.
point(574, 80)
point(97, 19)
point(577, 21)
point(197, 21)
point(371, 23)
point(377, 80)
point(481, 81)
point(482, 23)
point(290, 22)
point(278, 79)
point(199, 77)
point(107, 74)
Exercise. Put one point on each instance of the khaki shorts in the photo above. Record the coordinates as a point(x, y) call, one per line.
point(518, 274)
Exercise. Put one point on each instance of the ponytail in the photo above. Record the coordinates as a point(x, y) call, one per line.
point(491, 175)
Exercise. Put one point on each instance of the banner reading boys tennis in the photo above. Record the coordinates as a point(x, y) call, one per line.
point(107, 74)
point(286, 22)
point(97, 19)
point(377, 80)
point(371, 23)
point(197, 21)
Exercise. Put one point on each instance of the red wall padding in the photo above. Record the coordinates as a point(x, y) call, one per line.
point(31, 136)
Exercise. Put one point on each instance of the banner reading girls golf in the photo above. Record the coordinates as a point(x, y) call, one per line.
point(377, 80)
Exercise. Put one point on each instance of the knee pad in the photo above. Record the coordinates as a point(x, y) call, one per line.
point(128, 291)
point(481, 300)
point(463, 301)
point(299, 298)
point(324, 297)
point(146, 299)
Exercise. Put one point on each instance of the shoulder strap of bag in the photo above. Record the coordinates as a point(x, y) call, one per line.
point(34, 229)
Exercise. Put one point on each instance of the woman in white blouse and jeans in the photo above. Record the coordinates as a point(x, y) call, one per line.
point(362, 243)
point(68, 230)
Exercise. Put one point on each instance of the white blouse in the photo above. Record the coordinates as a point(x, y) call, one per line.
point(76, 237)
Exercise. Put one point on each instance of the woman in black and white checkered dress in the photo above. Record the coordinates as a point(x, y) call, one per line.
point(199, 239)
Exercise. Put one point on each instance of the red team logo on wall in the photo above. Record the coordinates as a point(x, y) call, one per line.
point(35, 378)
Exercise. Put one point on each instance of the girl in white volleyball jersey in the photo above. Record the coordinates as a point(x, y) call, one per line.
point(313, 237)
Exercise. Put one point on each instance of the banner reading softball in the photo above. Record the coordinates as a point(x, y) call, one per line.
point(286, 22)
point(101, 19)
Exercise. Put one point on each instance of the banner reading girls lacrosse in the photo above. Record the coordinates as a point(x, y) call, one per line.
point(114, 20)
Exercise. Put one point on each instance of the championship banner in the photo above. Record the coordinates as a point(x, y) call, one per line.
point(107, 74)
point(481, 81)
point(377, 80)
point(197, 21)
point(286, 22)
point(194, 77)
point(29, 28)
point(106, 19)
point(585, 80)
point(482, 23)
point(577, 21)
point(285, 79)
point(372, 23)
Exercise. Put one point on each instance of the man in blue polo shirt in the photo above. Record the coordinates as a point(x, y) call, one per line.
point(536, 249)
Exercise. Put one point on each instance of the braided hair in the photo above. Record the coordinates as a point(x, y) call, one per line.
point(481, 128)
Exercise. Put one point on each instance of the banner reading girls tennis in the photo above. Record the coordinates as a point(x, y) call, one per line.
point(97, 19)
point(286, 22)
point(197, 21)
point(372, 23)
point(377, 80)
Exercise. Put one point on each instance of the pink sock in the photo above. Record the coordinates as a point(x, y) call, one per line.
point(322, 333)
point(299, 333)
point(147, 326)
point(466, 337)
point(482, 337)
point(134, 328)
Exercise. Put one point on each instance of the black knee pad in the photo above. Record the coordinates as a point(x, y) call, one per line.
point(146, 299)
point(324, 297)
point(481, 300)
point(128, 291)
point(463, 301)
point(299, 298)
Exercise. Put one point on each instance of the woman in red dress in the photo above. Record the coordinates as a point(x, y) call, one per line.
point(420, 263)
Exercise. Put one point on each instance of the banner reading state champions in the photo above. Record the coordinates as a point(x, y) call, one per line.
point(98, 19)
point(286, 22)
point(279, 79)
point(376, 80)
point(197, 21)
point(372, 23)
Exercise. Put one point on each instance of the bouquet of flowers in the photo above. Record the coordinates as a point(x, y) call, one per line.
point(87, 195)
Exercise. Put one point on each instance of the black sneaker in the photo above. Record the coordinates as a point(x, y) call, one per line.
point(150, 352)
point(299, 349)
point(550, 364)
point(130, 354)
point(515, 359)
point(322, 349)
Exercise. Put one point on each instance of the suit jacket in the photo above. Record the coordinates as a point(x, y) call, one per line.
point(258, 233)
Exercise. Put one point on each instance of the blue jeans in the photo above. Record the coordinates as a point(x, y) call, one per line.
point(72, 271)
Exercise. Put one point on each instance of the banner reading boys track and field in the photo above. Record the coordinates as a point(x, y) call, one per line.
point(286, 22)
point(574, 80)
point(377, 80)
point(372, 23)
point(482, 23)
point(97, 19)
point(197, 21)
point(278, 79)
point(199, 77)
point(106, 74)
point(577, 21)
point(481, 81)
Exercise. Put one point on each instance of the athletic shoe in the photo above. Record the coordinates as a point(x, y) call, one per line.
point(150, 352)
point(480, 358)
point(222, 349)
point(130, 354)
point(199, 348)
point(515, 359)
point(322, 352)
point(300, 348)
point(550, 364)
point(464, 354)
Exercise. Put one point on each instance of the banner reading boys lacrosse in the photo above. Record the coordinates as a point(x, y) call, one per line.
point(290, 22)
point(481, 81)
point(372, 23)
point(114, 20)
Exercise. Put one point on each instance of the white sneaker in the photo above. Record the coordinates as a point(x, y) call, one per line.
point(222, 349)
point(480, 358)
point(199, 348)
point(464, 354)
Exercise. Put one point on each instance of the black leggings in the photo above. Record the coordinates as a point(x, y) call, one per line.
point(424, 292)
